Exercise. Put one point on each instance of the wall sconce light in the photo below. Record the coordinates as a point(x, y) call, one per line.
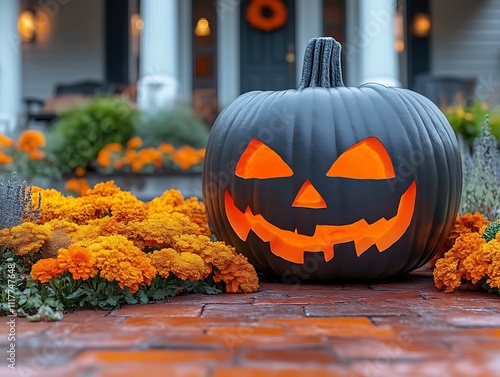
point(136, 23)
point(27, 25)
point(202, 28)
point(421, 25)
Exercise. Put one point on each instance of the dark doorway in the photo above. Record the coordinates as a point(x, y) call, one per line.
point(117, 42)
point(267, 57)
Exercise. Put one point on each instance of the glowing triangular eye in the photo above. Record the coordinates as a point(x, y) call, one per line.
point(260, 161)
point(367, 159)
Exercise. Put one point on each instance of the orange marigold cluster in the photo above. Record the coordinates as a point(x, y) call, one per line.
point(471, 259)
point(108, 232)
point(133, 157)
point(463, 224)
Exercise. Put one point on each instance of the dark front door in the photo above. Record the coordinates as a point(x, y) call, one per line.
point(267, 57)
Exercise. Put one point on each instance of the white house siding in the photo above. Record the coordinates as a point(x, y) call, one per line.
point(466, 41)
point(70, 47)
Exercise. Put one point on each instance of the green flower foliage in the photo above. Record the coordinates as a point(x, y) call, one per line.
point(22, 296)
point(178, 126)
point(81, 132)
point(491, 231)
point(481, 174)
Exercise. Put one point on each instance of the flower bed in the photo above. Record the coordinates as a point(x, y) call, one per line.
point(107, 248)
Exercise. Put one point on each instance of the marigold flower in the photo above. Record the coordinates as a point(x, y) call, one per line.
point(166, 148)
point(119, 259)
point(79, 171)
point(463, 224)
point(27, 238)
point(239, 275)
point(30, 140)
point(162, 260)
point(77, 185)
point(79, 261)
point(134, 143)
point(6, 141)
point(36, 155)
point(5, 159)
point(46, 269)
point(190, 266)
point(187, 156)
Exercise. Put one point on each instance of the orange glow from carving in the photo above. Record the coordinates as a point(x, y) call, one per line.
point(367, 159)
point(260, 161)
point(309, 197)
point(290, 245)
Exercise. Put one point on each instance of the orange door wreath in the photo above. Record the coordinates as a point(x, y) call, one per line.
point(267, 15)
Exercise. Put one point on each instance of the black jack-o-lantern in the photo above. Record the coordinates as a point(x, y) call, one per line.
point(332, 183)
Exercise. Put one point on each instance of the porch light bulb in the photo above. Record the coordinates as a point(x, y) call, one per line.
point(202, 27)
point(27, 25)
point(421, 25)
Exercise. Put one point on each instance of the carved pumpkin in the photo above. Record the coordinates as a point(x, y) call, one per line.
point(328, 182)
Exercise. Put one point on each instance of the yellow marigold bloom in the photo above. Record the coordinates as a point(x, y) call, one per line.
point(30, 140)
point(166, 148)
point(54, 205)
point(46, 269)
point(79, 171)
point(134, 143)
point(196, 212)
point(6, 141)
point(79, 261)
point(166, 202)
point(77, 185)
point(162, 260)
point(189, 266)
point(5, 159)
point(126, 207)
point(160, 228)
point(28, 237)
point(119, 259)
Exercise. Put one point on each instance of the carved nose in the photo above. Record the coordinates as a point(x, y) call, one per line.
point(309, 197)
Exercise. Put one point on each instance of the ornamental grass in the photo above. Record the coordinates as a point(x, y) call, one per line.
point(107, 248)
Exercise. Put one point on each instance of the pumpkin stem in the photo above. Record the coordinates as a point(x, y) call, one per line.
point(322, 64)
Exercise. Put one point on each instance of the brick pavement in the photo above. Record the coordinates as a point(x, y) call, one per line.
point(403, 327)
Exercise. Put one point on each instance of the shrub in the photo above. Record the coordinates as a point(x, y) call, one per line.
point(468, 120)
point(81, 132)
point(178, 126)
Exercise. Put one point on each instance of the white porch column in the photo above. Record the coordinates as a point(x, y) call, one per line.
point(10, 67)
point(158, 85)
point(378, 61)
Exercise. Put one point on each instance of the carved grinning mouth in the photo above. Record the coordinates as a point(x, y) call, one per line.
point(292, 245)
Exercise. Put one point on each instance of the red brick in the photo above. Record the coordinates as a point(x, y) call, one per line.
point(151, 369)
point(159, 310)
point(246, 330)
point(355, 309)
point(93, 357)
point(294, 356)
point(222, 298)
point(337, 326)
point(474, 320)
point(402, 348)
point(252, 311)
point(231, 341)
point(275, 371)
